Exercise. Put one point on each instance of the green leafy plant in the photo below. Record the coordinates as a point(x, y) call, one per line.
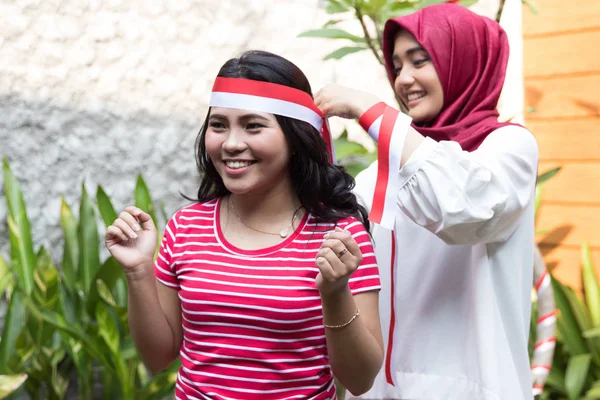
point(575, 372)
point(71, 320)
point(10, 383)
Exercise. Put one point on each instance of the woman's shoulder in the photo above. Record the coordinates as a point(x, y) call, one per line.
point(352, 224)
point(197, 209)
point(510, 137)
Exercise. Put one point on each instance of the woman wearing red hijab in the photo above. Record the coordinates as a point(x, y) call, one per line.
point(452, 197)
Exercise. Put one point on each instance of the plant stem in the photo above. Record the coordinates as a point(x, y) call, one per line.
point(500, 9)
point(360, 17)
point(378, 31)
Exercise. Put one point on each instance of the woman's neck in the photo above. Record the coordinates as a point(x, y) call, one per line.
point(270, 207)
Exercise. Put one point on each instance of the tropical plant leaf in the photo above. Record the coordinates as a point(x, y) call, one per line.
point(576, 375)
point(531, 6)
point(89, 247)
point(107, 211)
point(13, 326)
point(71, 246)
point(567, 322)
point(88, 344)
point(107, 328)
point(332, 33)
point(143, 200)
point(544, 177)
point(22, 253)
point(10, 383)
point(336, 7)
point(590, 284)
point(6, 277)
point(343, 52)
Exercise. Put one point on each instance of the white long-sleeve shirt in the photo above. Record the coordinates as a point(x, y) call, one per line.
point(456, 310)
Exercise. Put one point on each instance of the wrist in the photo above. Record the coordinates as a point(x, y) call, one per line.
point(364, 105)
point(335, 296)
point(140, 272)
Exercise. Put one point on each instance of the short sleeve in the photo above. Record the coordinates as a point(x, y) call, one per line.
point(366, 277)
point(163, 266)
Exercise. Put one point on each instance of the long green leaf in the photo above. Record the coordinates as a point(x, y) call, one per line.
point(74, 331)
point(22, 253)
point(107, 328)
point(343, 52)
point(6, 277)
point(576, 375)
point(143, 200)
point(590, 284)
point(89, 246)
point(531, 6)
point(13, 325)
point(556, 379)
point(594, 392)
point(109, 274)
point(10, 383)
point(567, 322)
point(46, 296)
point(336, 7)
point(107, 211)
point(332, 33)
point(71, 247)
point(544, 177)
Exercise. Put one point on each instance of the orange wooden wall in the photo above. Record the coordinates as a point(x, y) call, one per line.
point(562, 88)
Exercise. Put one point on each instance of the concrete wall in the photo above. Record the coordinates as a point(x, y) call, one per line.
point(104, 90)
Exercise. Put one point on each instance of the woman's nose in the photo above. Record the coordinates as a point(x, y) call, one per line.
point(235, 141)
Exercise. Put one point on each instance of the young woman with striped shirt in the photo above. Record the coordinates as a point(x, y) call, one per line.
point(267, 285)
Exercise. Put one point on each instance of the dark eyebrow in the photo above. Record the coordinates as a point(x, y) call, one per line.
point(414, 50)
point(244, 117)
point(409, 52)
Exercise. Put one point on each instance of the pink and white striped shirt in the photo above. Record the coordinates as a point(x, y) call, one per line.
point(252, 319)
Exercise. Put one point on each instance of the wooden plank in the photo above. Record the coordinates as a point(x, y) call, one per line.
point(577, 182)
point(563, 54)
point(569, 224)
point(556, 139)
point(558, 16)
point(563, 97)
point(565, 264)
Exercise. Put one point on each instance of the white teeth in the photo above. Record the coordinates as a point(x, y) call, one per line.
point(415, 96)
point(237, 164)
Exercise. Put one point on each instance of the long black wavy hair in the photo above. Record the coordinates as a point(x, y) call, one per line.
point(324, 189)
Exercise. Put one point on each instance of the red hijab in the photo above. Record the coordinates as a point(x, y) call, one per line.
point(470, 55)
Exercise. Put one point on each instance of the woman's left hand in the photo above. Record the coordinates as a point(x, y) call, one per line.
point(340, 101)
point(338, 257)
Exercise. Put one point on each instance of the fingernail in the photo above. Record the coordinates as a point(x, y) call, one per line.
point(137, 227)
point(133, 236)
point(326, 236)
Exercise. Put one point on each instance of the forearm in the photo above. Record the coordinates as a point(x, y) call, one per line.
point(150, 329)
point(355, 352)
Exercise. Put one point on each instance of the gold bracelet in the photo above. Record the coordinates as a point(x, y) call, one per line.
point(338, 327)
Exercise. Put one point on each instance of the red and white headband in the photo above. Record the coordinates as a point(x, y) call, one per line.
point(272, 98)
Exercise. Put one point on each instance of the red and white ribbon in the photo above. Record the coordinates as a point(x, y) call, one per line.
point(272, 98)
point(543, 351)
point(388, 127)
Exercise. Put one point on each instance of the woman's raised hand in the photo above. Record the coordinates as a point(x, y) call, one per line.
point(338, 257)
point(131, 239)
point(340, 101)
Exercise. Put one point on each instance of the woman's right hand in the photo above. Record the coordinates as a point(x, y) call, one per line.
point(340, 101)
point(131, 239)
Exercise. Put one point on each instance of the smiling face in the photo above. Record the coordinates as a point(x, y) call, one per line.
point(416, 80)
point(248, 149)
